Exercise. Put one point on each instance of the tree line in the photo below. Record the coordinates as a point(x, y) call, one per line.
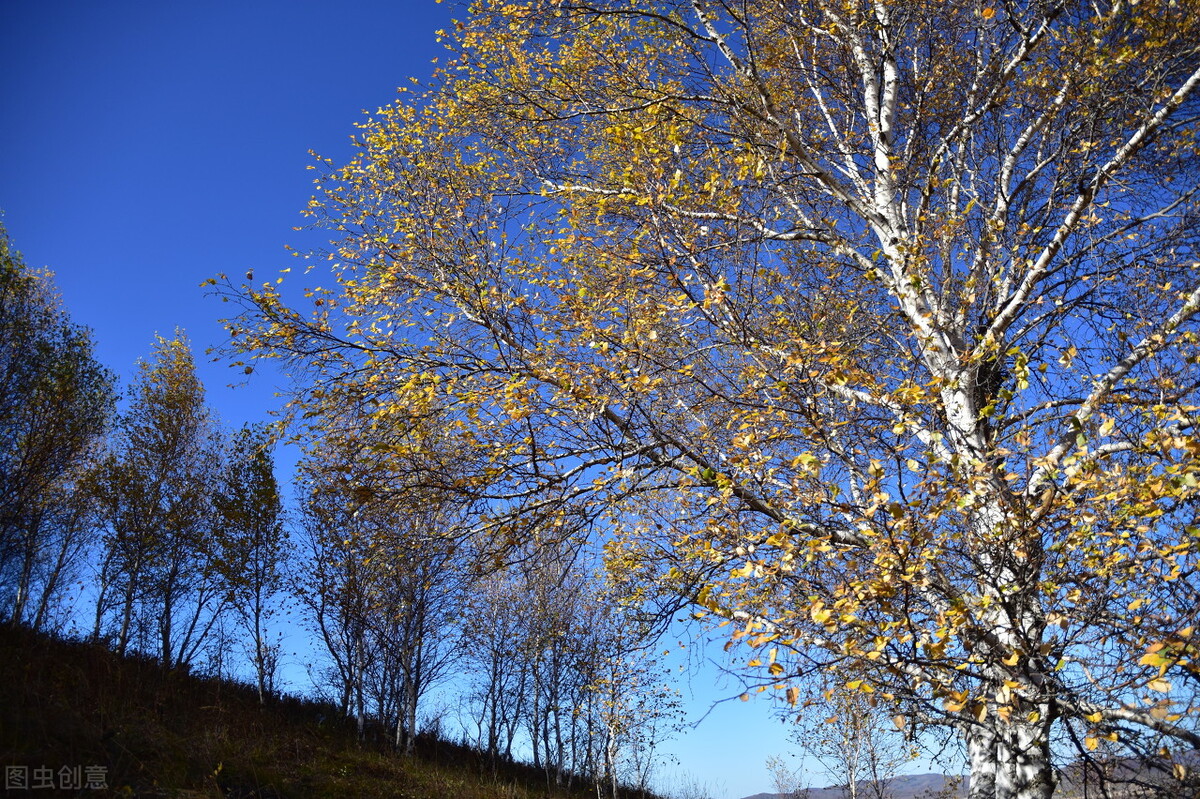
point(172, 524)
point(404, 595)
point(155, 530)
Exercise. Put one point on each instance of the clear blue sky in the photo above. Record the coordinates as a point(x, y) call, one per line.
point(147, 146)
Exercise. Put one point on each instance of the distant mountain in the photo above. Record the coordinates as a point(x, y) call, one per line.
point(1127, 779)
point(1131, 778)
point(912, 786)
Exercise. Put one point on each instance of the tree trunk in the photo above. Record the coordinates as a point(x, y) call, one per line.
point(1011, 762)
point(25, 579)
point(360, 708)
point(406, 719)
point(610, 757)
point(260, 666)
point(127, 612)
point(164, 627)
point(50, 588)
point(101, 604)
point(535, 720)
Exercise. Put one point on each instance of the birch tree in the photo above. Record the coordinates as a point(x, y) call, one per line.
point(56, 404)
point(251, 547)
point(160, 588)
point(421, 574)
point(332, 588)
point(890, 307)
point(859, 748)
point(562, 667)
point(384, 582)
point(493, 633)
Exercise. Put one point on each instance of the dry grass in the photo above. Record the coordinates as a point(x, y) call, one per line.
point(169, 734)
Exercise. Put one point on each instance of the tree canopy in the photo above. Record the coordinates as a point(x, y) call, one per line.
point(56, 403)
point(871, 326)
point(160, 579)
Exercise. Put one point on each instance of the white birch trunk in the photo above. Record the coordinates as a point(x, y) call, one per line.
point(1011, 762)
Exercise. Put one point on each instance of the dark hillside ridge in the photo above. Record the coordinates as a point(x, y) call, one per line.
point(73, 712)
point(913, 786)
point(1129, 782)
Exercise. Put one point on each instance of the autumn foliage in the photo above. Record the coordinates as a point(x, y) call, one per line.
point(869, 328)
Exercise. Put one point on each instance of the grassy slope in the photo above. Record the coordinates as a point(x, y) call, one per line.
point(168, 734)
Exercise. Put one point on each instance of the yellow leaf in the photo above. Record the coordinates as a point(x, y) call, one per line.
point(1160, 684)
point(1153, 658)
point(956, 701)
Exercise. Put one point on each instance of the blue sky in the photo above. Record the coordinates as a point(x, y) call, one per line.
point(147, 146)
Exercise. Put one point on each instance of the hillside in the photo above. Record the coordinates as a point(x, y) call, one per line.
point(67, 706)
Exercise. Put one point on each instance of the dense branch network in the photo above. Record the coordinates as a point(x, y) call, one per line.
point(874, 323)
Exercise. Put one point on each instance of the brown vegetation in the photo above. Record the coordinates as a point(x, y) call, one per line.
point(167, 733)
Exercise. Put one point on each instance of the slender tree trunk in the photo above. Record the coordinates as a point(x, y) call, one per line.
point(535, 719)
point(408, 712)
point(590, 741)
point(260, 667)
point(25, 579)
point(492, 699)
point(260, 658)
point(852, 775)
point(164, 627)
point(546, 750)
point(610, 755)
point(127, 612)
point(53, 578)
point(559, 752)
point(360, 710)
point(101, 603)
point(191, 640)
